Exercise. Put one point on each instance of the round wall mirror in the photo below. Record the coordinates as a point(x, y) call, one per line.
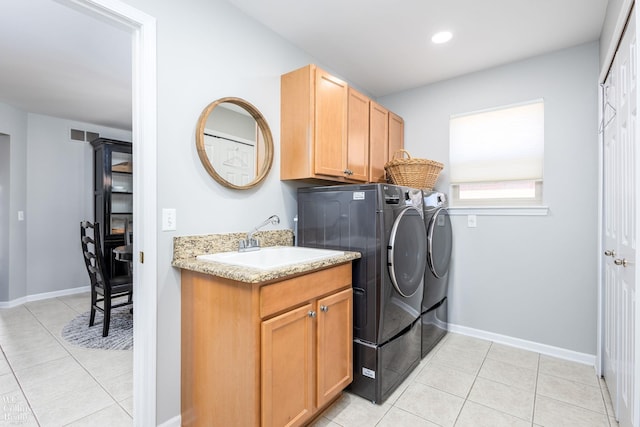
point(234, 143)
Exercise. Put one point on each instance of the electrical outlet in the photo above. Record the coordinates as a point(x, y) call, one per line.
point(472, 221)
point(168, 219)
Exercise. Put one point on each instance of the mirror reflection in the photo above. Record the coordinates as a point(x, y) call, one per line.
point(234, 143)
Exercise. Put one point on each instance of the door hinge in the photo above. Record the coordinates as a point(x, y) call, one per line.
point(141, 257)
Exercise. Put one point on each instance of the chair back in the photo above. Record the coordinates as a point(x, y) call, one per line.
point(92, 252)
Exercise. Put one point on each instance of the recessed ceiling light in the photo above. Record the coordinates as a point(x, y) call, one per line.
point(441, 37)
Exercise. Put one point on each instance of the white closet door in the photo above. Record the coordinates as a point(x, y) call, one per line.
point(620, 193)
point(611, 154)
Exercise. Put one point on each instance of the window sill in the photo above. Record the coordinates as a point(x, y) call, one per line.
point(499, 210)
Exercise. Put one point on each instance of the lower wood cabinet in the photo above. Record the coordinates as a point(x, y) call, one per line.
point(306, 359)
point(264, 354)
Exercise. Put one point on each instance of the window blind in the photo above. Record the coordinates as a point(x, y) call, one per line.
point(505, 144)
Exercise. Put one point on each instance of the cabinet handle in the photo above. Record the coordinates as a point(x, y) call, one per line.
point(348, 171)
point(610, 253)
point(312, 313)
point(324, 308)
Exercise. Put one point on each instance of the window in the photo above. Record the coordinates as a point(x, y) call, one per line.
point(496, 156)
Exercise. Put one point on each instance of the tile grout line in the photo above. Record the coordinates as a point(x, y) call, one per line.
point(119, 403)
point(535, 392)
point(603, 390)
point(13, 372)
point(79, 364)
point(578, 383)
point(475, 378)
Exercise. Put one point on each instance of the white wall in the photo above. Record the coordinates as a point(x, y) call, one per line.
point(51, 181)
point(533, 278)
point(13, 122)
point(59, 196)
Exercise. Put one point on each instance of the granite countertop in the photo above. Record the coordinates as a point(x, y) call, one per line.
point(188, 247)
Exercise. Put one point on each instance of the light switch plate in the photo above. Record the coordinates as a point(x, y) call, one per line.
point(20, 215)
point(168, 219)
point(472, 221)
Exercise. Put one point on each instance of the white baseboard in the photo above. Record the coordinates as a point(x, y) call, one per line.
point(562, 353)
point(173, 422)
point(45, 295)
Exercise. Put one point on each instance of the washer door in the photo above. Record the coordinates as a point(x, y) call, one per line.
point(407, 249)
point(439, 239)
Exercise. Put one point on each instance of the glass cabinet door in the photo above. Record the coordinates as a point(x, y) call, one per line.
point(121, 192)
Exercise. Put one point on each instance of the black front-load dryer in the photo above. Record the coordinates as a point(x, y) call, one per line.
point(385, 223)
point(436, 276)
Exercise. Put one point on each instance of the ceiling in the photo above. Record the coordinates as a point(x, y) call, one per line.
point(57, 61)
point(384, 46)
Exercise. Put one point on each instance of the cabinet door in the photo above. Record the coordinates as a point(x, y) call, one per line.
point(358, 137)
point(396, 134)
point(330, 146)
point(287, 368)
point(334, 345)
point(378, 142)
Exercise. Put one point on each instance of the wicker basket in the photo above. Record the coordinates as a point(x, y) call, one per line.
point(410, 172)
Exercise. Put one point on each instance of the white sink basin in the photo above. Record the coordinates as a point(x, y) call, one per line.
point(271, 257)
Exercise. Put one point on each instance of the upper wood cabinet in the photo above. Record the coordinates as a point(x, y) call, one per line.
point(329, 126)
point(330, 131)
point(378, 142)
point(358, 136)
point(396, 134)
point(386, 137)
point(313, 130)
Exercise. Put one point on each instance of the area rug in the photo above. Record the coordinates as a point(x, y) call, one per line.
point(78, 331)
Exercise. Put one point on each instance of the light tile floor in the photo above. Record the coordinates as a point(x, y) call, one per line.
point(469, 382)
point(45, 381)
point(464, 381)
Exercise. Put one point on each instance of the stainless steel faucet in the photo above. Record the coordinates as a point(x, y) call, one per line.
point(251, 244)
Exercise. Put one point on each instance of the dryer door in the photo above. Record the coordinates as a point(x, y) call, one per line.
point(407, 250)
point(439, 240)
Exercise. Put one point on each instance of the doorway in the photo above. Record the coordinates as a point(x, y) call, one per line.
point(144, 136)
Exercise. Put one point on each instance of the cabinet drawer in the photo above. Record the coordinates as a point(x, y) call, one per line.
point(298, 290)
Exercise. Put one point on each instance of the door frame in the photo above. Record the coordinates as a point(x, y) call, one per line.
point(144, 133)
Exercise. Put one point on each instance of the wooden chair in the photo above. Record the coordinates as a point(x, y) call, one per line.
point(103, 289)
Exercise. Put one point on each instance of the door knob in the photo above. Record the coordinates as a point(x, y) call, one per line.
point(610, 253)
point(623, 262)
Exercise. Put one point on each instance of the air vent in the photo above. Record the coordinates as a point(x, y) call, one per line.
point(79, 135)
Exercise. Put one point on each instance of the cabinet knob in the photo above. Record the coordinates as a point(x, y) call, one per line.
point(324, 308)
point(348, 171)
point(312, 313)
point(610, 253)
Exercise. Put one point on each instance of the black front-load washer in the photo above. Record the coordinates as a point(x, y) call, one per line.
point(385, 223)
